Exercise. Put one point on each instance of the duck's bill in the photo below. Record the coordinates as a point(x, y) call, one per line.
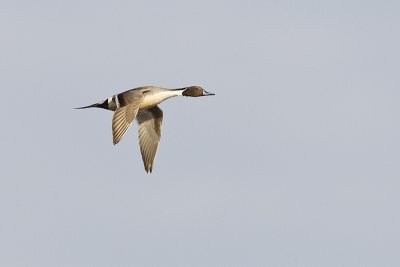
point(207, 93)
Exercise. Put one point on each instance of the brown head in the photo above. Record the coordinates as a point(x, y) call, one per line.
point(195, 91)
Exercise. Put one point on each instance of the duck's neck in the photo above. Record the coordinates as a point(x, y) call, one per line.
point(168, 93)
point(154, 98)
point(177, 92)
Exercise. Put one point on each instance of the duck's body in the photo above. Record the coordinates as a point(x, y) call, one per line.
point(141, 103)
point(152, 96)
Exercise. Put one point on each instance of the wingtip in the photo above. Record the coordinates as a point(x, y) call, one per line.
point(116, 141)
point(148, 169)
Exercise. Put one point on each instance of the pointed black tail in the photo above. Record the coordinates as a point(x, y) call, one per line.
point(91, 106)
point(103, 104)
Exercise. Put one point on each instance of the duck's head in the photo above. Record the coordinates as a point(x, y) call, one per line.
point(195, 91)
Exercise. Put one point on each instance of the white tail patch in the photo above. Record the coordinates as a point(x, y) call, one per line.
point(116, 101)
point(111, 103)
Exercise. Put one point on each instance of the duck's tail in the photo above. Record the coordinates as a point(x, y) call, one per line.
point(103, 104)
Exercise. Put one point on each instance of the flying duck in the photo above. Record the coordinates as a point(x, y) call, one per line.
point(141, 103)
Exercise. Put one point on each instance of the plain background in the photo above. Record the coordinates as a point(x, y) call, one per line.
point(294, 161)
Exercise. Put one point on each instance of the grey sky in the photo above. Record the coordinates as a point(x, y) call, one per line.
point(294, 162)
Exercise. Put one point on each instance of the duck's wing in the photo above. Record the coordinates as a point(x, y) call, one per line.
point(125, 114)
point(150, 122)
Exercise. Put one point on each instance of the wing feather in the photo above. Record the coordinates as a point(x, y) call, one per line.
point(123, 117)
point(150, 122)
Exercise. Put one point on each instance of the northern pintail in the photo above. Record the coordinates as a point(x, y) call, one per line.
point(141, 103)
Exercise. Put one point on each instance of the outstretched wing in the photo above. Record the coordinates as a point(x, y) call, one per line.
point(124, 115)
point(150, 122)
